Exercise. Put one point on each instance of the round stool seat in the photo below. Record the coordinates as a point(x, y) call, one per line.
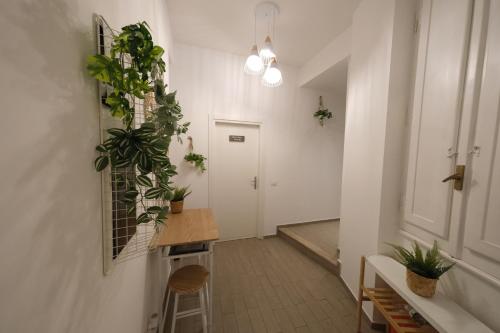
point(188, 279)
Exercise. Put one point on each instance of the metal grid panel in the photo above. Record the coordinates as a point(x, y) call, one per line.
point(123, 238)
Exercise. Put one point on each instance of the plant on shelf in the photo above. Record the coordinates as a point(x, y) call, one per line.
point(322, 114)
point(197, 160)
point(133, 70)
point(177, 201)
point(422, 271)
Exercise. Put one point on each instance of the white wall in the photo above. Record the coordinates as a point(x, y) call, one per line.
point(51, 244)
point(304, 159)
point(378, 86)
point(337, 50)
point(373, 155)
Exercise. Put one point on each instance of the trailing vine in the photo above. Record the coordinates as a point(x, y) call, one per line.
point(134, 69)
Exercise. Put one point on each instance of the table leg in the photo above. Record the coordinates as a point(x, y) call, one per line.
point(211, 288)
point(160, 287)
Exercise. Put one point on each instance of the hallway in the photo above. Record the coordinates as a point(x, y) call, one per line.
point(269, 286)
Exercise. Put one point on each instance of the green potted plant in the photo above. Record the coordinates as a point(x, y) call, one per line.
point(322, 114)
point(177, 201)
point(422, 271)
point(197, 160)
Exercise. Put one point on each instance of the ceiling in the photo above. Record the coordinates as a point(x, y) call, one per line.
point(302, 29)
point(333, 79)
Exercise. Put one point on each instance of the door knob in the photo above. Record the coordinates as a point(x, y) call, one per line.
point(457, 177)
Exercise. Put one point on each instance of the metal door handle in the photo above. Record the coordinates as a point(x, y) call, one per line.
point(254, 182)
point(458, 177)
point(455, 176)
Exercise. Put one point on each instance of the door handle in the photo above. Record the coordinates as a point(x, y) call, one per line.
point(254, 182)
point(457, 177)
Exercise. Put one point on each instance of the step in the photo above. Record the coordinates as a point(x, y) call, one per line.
point(309, 249)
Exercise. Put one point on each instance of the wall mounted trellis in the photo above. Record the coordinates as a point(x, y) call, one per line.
point(123, 238)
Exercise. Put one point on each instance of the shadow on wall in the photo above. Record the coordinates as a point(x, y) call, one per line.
point(52, 246)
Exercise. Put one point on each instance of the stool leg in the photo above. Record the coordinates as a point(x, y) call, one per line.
point(164, 317)
point(203, 309)
point(174, 317)
point(207, 299)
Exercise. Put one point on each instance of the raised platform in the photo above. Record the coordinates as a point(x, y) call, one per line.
point(317, 240)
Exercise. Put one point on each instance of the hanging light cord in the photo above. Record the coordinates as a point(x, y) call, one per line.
point(273, 23)
point(255, 27)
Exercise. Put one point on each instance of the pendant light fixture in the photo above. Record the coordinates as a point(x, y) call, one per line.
point(254, 64)
point(264, 61)
point(267, 52)
point(272, 76)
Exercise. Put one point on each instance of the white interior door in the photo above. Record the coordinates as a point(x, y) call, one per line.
point(235, 181)
point(482, 223)
point(441, 59)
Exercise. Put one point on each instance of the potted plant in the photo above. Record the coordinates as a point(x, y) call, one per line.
point(422, 271)
point(197, 160)
point(177, 201)
point(322, 114)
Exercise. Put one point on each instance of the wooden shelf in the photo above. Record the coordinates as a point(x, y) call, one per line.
point(444, 315)
point(392, 307)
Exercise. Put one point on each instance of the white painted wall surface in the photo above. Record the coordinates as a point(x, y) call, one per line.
point(51, 244)
point(377, 93)
point(333, 53)
point(303, 159)
point(378, 87)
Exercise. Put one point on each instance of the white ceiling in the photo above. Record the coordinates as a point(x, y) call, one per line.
point(333, 79)
point(302, 29)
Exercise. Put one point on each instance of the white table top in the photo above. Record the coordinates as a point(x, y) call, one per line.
point(440, 311)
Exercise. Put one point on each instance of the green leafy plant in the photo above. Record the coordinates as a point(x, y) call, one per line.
point(197, 159)
point(133, 70)
point(431, 265)
point(322, 115)
point(180, 193)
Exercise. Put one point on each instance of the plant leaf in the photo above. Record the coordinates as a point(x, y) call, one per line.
point(101, 163)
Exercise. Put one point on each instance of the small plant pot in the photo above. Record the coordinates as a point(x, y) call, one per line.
point(176, 206)
point(420, 285)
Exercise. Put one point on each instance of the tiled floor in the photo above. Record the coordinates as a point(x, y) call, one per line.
point(320, 237)
point(269, 286)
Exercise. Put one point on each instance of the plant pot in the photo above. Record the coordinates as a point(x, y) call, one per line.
point(420, 285)
point(176, 206)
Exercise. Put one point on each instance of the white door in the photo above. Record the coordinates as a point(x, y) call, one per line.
point(444, 27)
point(482, 226)
point(235, 181)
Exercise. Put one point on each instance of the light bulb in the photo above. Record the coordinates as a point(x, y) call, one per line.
point(267, 52)
point(272, 76)
point(254, 64)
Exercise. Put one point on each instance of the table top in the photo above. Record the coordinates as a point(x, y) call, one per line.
point(190, 226)
point(440, 311)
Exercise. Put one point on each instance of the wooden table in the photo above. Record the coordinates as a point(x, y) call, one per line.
point(189, 227)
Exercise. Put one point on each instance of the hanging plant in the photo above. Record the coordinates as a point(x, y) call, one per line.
point(133, 70)
point(197, 160)
point(322, 112)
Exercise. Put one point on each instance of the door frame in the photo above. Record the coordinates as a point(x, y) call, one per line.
point(213, 121)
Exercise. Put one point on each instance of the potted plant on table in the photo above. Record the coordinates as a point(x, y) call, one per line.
point(177, 201)
point(422, 271)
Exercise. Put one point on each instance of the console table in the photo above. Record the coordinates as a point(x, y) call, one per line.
point(444, 315)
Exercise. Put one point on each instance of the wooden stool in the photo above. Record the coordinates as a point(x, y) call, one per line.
point(188, 280)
